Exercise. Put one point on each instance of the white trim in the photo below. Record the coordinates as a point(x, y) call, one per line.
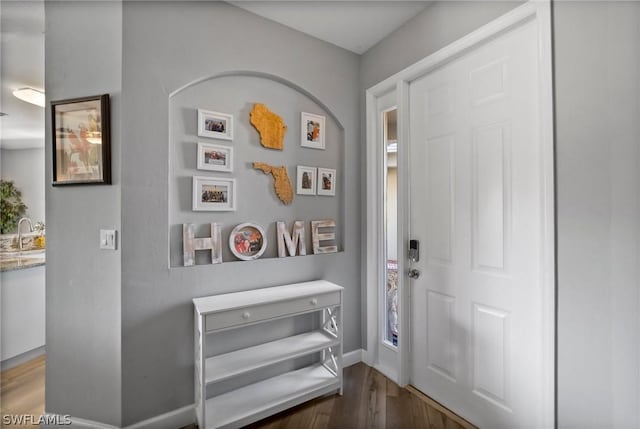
point(372, 224)
point(388, 371)
point(404, 211)
point(14, 361)
point(545, 75)
point(75, 422)
point(173, 419)
point(352, 358)
point(539, 10)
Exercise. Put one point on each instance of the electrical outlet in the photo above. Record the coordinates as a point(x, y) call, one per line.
point(108, 239)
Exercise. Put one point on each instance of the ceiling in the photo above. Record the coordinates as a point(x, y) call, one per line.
point(352, 25)
point(22, 65)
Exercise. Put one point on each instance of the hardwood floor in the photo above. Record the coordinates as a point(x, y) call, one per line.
point(370, 401)
point(22, 389)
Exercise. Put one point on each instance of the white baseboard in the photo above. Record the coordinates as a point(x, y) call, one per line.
point(173, 419)
point(56, 421)
point(21, 358)
point(352, 358)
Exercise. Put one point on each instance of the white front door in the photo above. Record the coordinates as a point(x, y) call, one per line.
point(477, 210)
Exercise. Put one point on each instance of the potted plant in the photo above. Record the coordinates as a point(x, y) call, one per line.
point(11, 206)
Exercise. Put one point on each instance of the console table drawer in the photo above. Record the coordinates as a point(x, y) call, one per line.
point(240, 316)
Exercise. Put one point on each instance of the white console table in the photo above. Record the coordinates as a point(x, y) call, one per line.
point(237, 408)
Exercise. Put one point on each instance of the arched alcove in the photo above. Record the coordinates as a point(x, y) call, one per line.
point(235, 93)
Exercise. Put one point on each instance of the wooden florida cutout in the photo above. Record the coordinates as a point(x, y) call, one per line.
point(281, 182)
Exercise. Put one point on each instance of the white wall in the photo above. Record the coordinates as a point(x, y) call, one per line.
point(597, 80)
point(25, 167)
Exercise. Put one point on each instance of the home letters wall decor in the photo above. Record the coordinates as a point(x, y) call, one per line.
point(294, 243)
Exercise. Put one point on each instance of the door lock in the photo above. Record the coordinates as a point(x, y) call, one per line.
point(414, 274)
point(414, 250)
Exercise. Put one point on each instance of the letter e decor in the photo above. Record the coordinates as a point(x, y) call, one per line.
point(317, 236)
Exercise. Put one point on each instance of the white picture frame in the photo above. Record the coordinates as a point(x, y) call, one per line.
point(312, 131)
point(247, 241)
point(214, 194)
point(306, 180)
point(213, 157)
point(215, 125)
point(326, 181)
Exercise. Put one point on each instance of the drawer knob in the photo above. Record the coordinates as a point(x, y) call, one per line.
point(314, 301)
point(246, 315)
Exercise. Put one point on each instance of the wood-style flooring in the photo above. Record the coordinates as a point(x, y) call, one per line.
point(22, 390)
point(370, 401)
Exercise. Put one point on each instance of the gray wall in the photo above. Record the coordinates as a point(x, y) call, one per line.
point(83, 48)
point(256, 201)
point(169, 45)
point(25, 167)
point(597, 80)
point(434, 28)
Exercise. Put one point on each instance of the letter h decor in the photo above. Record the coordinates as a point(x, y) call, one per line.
point(191, 243)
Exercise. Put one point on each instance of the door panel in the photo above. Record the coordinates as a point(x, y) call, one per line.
point(476, 205)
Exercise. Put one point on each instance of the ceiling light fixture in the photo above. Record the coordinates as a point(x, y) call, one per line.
point(30, 95)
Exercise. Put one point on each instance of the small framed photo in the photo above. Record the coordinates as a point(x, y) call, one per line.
point(215, 125)
point(248, 241)
point(215, 158)
point(326, 181)
point(81, 141)
point(306, 180)
point(312, 127)
point(214, 194)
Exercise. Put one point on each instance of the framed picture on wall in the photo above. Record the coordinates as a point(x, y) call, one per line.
point(81, 141)
point(215, 125)
point(247, 241)
point(306, 180)
point(214, 194)
point(326, 181)
point(313, 131)
point(215, 157)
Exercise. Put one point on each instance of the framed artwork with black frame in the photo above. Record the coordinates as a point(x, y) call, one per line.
point(81, 141)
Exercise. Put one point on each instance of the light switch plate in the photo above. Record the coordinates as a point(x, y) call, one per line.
point(108, 239)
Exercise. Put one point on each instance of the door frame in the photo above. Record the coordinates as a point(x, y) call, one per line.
point(540, 12)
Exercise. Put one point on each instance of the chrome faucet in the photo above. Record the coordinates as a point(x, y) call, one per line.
point(20, 230)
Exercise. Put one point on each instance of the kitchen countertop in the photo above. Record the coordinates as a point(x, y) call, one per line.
point(11, 261)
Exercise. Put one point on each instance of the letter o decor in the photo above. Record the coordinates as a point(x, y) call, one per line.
point(248, 241)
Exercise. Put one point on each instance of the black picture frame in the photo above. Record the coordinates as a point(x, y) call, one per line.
point(81, 141)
